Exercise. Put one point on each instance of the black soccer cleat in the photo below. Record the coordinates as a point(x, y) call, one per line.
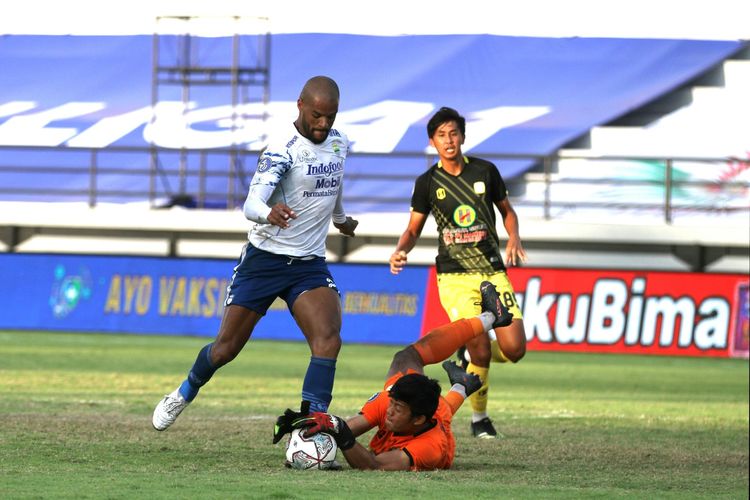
point(458, 375)
point(491, 302)
point(483, 429)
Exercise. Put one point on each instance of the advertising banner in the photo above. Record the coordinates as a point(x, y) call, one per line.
point(684, 314)
point(185, 297)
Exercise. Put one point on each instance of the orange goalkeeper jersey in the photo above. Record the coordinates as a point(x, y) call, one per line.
point(428, 450)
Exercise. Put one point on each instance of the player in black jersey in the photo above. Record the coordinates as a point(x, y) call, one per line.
point(461, 192)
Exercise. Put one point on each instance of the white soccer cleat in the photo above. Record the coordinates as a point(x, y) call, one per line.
point(168, 409)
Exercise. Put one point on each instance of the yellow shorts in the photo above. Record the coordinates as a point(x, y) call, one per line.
point(459, 293)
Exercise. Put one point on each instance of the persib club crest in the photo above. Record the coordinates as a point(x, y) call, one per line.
point(264, 164)
point(464, 216)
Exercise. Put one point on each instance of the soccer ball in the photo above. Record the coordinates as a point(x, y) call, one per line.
point(315, 452)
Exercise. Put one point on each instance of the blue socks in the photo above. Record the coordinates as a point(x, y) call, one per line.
point(318, 385)
point(200, 373)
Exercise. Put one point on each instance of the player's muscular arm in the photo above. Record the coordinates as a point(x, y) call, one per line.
point(361, 458)
point(407, 241)
point(358, 424)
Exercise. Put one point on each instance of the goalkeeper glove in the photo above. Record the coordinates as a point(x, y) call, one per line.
point(330, 424)
point(458, 375)
point(284, 422)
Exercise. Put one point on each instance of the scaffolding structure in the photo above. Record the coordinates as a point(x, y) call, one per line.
point(196, 59)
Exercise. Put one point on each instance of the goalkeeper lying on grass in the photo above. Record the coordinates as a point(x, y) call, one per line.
point(413, 419)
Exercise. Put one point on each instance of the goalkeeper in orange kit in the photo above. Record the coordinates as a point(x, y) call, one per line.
point(413, 419)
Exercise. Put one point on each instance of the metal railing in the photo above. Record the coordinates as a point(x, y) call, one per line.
point(218, 178)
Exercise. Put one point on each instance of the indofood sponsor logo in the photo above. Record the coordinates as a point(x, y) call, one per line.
point(325, 168)
point(464, 215)
point(68, 290)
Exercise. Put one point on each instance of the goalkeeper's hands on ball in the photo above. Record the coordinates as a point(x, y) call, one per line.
point(330, 424)
point(284, 423)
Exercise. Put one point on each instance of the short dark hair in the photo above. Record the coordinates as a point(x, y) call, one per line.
point(419, 392)
point(445, 115)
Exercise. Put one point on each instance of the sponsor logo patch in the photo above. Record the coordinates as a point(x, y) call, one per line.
point(307, 156)
point(325, 168)
point(327, 182)
point(373, 397)
point(264, 164)
point(457, 236)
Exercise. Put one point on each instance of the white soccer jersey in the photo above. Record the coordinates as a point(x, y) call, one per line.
point(308, 178)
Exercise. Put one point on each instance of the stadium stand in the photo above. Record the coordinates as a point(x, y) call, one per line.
point(76, 128)
point(701, 128)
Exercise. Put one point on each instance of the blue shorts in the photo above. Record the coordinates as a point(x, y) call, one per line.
point(260, 277)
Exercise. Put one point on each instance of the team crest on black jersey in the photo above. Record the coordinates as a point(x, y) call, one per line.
point(479, 187)
point(440, 193)
point(464, 215)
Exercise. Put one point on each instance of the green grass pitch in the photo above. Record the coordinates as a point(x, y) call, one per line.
point(76, 423)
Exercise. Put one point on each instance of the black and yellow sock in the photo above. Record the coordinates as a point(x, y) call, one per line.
point(479, 399)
